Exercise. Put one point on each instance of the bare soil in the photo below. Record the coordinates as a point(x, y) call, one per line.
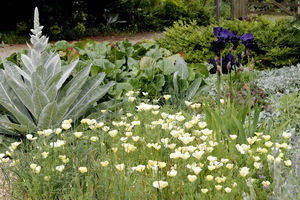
point(7, 50)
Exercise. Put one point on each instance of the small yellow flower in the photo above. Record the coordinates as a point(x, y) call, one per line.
point(266, 183)
point(233, 137)
point(140, 168)
point(82, 169)
point(104, 163)
point(152, 162)
point(94, 138)
point(60, 168)
point(269, 144)
point(113, 133)
point(45, 154)
point(218, 187)
point(278, 160)
point(162, 165)
point(120, 167)
point(33, 166)
point(192, 178)
point(257, 165)
point(167, 97)
point(160, 184)
point(288, 163)
point(47, 178)
point(258, 133)
point(66, 126)
point(204, 190)
point(228, 190)
point(244, 171)
point(209, 177)
point(103, 111)
point(202, 125)
point(266, 137)
point(78, 134)
point(172, 173)
point(58, 131)
point(222, 101)
point(286, 135)
point(115, 149)
point(270, 157)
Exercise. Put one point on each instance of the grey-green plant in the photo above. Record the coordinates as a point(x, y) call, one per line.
point(41, 94)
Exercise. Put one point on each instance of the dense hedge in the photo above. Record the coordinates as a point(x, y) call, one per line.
point(278, 39)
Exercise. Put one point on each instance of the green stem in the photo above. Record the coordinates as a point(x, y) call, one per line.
point(249, 100)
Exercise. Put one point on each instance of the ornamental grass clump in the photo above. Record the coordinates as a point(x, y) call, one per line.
point(143, 154)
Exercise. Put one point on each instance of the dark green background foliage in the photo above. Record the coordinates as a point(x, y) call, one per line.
point(70, 19)
point(280, 40)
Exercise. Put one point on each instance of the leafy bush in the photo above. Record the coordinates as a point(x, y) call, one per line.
point(278, 39)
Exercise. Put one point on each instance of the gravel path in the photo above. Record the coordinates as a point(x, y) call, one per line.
point(7, 50)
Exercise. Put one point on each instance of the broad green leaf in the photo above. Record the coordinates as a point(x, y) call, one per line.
point(193, 88)
point(65, 105)
point(158, 82)
point(147, 62)
point(48, 116)
point(103, 63)
point(166, 66)
point(95, 69)
point(22, 92)
point(132, 63)
point(182, 68)
point(93, 95)
point(75, 84)
point(82, 44)
point(37, 82)
point(40, 100)
point(62, 45)
point(122, 86)
point(52, 93)
point(199, 67)
point(182, 85)
point(203, 90)
point(27, 63)
point(53, 80)
point(66, 72)
point(154, 53)
point(9, 127)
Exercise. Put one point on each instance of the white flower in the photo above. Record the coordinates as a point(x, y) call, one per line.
point(175, 155)
point(244, 171)
point(78, 134)
point(167, 97)
point(198, 154)
point(192, 178)
point(286, 135)
point(60, 168)
point(113, 133)
point(48, 132)
point(30, 137)
point(120, 167)
point(172, 173)
point(82, 169)
point(94, 138)
point(160, 184)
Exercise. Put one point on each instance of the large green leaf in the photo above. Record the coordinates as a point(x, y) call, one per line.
point(37, 82)
point(154, 53)
point(85, 102)
point(40, 100)
point(62, 45)
point(132, 63)
point(166, 66)
point(147, 62)
point(21, 91)
point(199, 67)
point(52, 93)
point(64, 106)
point(86, 92)
point(8, 127)
point(122, 87)
point(182, 68)
point(75, 84)
point(48, 116)
point(193, 88)
point(158, 82)
point(66, 72)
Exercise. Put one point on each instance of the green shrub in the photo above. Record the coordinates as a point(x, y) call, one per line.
point(277, 38)
point(190, 39)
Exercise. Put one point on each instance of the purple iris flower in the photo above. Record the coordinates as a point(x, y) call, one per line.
point(223, 36)
point(248, 41)
point(217, 31)
point(234, 39)
point(225, 61)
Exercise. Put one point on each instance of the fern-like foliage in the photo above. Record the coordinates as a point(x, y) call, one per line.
point(40, 95)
